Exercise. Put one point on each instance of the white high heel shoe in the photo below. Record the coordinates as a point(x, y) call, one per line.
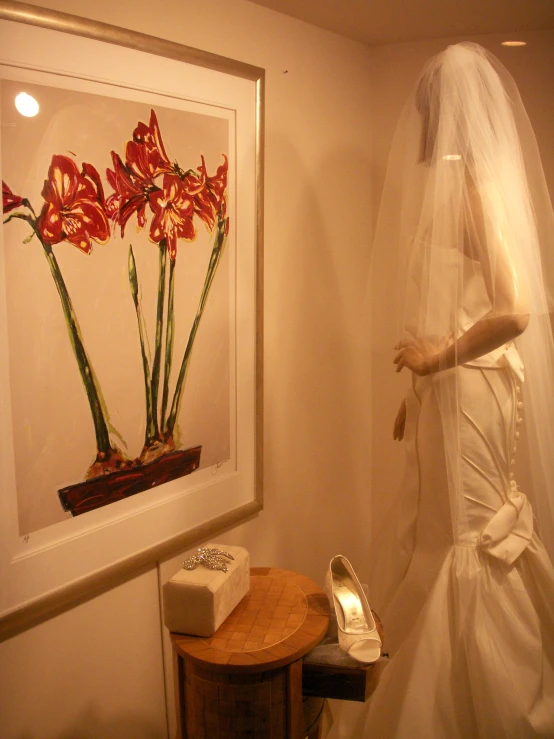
point(358, 635)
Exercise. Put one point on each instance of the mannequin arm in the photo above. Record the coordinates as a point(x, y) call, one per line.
point(483, 337)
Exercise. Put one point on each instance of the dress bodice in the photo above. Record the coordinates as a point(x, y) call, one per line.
point(453, 300)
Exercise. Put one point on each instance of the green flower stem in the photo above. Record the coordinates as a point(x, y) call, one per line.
point(92, 387)
point(215, 258)
point(85, 368)
point(156, 365)
point(133, 281)
point(169, 337)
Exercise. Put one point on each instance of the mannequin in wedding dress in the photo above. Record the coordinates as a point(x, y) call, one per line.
point(462, 575)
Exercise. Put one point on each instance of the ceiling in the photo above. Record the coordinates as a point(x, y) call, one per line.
point(379, 22)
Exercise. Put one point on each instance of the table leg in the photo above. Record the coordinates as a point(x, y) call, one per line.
point(179, 687)
point(294, 701)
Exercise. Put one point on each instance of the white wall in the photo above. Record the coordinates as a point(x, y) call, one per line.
point(97, 670)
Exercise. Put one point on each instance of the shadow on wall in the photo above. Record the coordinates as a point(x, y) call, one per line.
point(316, 256)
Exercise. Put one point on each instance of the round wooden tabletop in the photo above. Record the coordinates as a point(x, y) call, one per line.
point(281, 619)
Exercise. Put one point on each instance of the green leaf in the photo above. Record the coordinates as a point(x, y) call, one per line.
point(133, 281)
point(116, 433)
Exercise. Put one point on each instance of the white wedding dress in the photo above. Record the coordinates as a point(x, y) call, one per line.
point(465, 586)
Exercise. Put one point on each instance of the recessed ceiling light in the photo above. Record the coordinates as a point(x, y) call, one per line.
point(26, 105)
point(452, 157)
point(514, 43)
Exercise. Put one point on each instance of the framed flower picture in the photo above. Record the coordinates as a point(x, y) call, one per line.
point(130, 303)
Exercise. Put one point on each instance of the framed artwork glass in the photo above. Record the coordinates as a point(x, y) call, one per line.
point(130, 303)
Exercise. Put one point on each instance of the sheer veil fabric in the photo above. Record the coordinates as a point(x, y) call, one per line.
point(462, 574)
point(467, 193)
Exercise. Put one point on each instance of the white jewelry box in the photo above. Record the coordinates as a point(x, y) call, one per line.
point(198, 601)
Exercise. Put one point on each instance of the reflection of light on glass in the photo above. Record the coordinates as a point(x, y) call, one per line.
point(514, 43)
point(26, 105)
point(452, 157)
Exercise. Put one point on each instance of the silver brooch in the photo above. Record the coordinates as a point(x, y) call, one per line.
point(213, 559)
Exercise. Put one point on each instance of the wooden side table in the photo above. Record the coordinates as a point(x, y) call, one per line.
point(245, 682)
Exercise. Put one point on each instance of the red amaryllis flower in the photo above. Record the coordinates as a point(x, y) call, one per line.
point(208, 192)
point(9, 200)
point(197, 189)
point(92, 173)
point(216, 185)
point(173, 208)
point(133, 182)
point(145, 154)
point(74, 208)
point(129, 196)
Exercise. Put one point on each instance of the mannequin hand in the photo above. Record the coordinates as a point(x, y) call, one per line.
point(418, 355)
point(400, 423)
